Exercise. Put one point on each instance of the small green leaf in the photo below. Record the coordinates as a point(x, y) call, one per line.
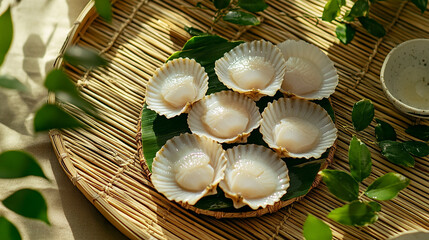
point(10, 82)
point(359, 159)
point(16, 164)
point(341, 184)
point(253, 5)
point(331, 10)
point(362, 114)
point(372, 26)
point(354, 214)
point(384, 131)
point(241, 18)
point(375, 206)
point(416, 148)
point(395, 152)
point(360, 8)
point(221, 4)
point(57, 81)
point(104, 9)
point(8, 231)
point(80, 56)
point(194, 32)
point(421, 4)
point(51, 116)
point(6, 27)
point(387, 187)
point(419, 131)
point(316, 229)
point(345, 32)
point(28, 203)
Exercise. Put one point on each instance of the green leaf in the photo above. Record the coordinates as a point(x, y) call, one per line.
point(421, 4)
point(387, 187)
point(206, 50)
point(80, 56)
point(354, 214)
point(384, 131)
point(156, 130)
point(419, 131)
point(28, 203)
point(8, 231)
point(345, 33)
point(194, 32)
point(395, 152)
point(253, 5)
point(241, 18)
point(48, 116)
point(376, 207)
point(221, 4)
point(10, 82)
point(104, 9)
point(360, 8)
point(331, 10)
point(16, 164)
point(372, 26)
point(316, 229)
point(362, 114)
point(301, 178)
point(6, 27)
point(359, 159)
point(57, 81)
point(416, 148)
point(341, 184)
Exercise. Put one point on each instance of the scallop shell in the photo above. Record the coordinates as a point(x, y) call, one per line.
point(175, 86)
point(254, 176)
point(226, 117)
point(191, 173)
point(253, 68)
point(310, 74)
point(297, 128)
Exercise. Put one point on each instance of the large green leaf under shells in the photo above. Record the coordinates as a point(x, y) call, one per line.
point(156, 129)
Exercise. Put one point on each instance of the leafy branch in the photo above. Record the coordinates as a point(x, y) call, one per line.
point(345, 186)
point(359, 12)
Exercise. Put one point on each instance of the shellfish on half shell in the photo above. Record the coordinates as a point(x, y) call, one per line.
point(253, 68)
point(310, 74)
point(175, 86)
point(191, 173)
point(297, 128)
point(254, 176)
point(226, 117)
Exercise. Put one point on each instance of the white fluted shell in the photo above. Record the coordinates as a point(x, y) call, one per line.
point(254, 176)
point(253, 68)
point(226, 117)
point(175, 86)
point(188, 167)
point(297, 128)
point(310, 74)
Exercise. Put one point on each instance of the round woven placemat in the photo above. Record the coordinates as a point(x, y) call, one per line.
point(102, 160)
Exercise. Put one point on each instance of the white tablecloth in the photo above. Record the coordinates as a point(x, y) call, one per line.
point(40, 28)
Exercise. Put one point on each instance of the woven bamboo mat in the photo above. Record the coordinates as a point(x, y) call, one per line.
point(102, 160)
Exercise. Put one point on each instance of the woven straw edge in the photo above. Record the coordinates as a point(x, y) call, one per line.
point(83, 21)
point(219, 214)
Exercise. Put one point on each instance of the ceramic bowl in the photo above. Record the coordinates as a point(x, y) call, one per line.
point(405, 77)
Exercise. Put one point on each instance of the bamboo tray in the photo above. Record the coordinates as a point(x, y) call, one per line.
point(102, 161)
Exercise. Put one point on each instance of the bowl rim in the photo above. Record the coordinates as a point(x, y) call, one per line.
point(418, 112)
